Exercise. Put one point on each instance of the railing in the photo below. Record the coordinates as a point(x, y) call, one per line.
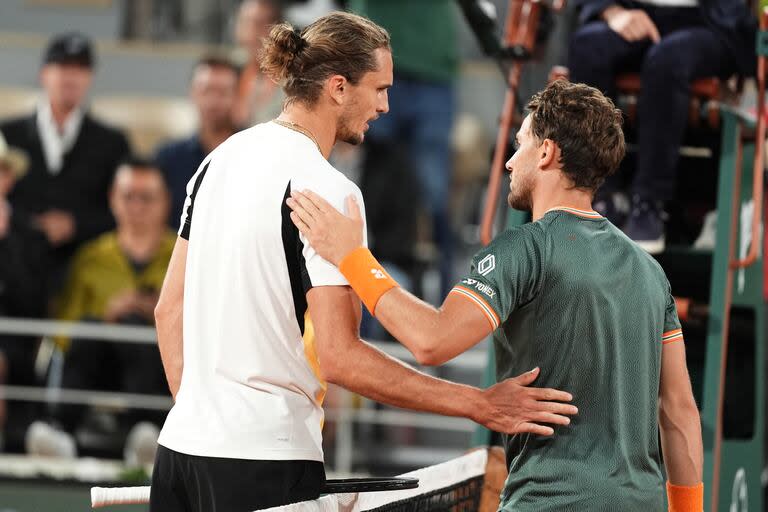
point(343, 416)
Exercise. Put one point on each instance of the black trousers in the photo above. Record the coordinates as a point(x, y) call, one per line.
point(688, 50)
point(188, 483)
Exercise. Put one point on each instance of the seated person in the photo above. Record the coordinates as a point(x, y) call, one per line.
point(116, 278)
point(671, 43)
point(23, 260)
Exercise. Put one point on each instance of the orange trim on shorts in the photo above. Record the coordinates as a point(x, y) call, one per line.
point(487, 310)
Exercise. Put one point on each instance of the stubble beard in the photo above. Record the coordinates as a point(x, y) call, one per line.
point(519, 197)
point(346, 134)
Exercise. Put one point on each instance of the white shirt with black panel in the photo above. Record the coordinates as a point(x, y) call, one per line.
point(250, 387)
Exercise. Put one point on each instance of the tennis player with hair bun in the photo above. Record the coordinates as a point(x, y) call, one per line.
point(245, 430)
point(571, 293)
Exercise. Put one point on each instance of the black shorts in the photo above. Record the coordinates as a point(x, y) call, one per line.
point(189, 483)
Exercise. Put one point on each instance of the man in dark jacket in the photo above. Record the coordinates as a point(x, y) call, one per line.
point(671, 43)
point(72, 156)
point(213, 91)
point(23, 257)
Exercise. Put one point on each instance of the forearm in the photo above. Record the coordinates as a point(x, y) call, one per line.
point(169, 323)
point(680, 428)
point(413, 322)
point(367, 371)
point(432, 335)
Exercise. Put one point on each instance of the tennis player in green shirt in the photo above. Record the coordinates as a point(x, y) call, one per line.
point(571, 294)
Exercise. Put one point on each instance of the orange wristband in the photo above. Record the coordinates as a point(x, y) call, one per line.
point(685, 499)
point(366, 276)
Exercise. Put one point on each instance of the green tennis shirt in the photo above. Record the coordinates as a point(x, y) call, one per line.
point(571, 294)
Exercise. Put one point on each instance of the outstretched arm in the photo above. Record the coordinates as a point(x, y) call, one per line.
point(680, 427)
point(433, 335)
point(508, 407)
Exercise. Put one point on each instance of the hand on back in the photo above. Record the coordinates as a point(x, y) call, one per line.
point(517, 408)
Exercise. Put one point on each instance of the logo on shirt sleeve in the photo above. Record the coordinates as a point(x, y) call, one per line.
point(486, 265)
point(481, 287)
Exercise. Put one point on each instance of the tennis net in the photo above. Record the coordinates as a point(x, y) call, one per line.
point(453, 486)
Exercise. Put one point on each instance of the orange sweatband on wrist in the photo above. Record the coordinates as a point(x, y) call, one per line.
point(685, 499)
point(366, 276)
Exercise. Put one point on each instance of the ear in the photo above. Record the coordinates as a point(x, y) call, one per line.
point(337, 87)
point(549, 154)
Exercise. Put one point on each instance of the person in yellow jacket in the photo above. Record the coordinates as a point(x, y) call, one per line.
point(115, 279)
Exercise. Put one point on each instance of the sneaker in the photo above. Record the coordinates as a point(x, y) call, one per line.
point(44, 440)
point(614, 207)
point(646, 225)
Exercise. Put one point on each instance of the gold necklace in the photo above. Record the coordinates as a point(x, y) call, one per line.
point(298, 128)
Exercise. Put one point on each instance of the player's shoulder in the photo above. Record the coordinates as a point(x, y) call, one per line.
point(240, 142)
point(524, 234)
point(324, 179)
point(526, 242)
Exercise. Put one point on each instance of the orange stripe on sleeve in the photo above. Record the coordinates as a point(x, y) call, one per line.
point(487, 310)
point(672, 336)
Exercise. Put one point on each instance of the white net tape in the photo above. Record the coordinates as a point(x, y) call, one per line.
point(431, 479)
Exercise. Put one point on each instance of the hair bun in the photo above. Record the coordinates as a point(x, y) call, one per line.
point(281, 51)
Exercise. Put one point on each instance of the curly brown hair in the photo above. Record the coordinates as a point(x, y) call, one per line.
point(339, 43)
point(585, 125)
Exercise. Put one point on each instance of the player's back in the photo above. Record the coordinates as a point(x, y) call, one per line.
point(250, 387)
point(591, 314)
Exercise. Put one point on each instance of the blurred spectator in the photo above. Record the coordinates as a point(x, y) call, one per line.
point(116, 278)
point(391, 193)
point(421, 101)
point(259, 99)
point(23, 255)
point(671, 42)
point(72, 156)
point(213, 92)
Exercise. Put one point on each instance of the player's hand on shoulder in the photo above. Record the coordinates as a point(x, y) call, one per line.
point(331, 234)
point(516, 408)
